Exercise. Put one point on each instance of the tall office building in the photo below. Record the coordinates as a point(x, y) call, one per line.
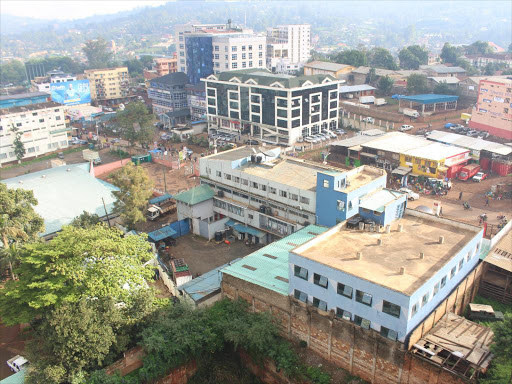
point(288, 47)
point(108, 84)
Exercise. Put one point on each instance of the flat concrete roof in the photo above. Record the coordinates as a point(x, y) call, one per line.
point(290, 172)
point(380, 264)
point(360, 176)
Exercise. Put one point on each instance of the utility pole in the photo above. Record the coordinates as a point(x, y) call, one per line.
point(106, 213)
point(165, 181)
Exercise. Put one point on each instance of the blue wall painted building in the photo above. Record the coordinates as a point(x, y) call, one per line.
point(338, 195)
point(433, 277)
point(383, 206)
point(9, 101)
point(199, 57)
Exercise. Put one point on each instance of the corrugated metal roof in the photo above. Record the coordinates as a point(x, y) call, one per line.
point(268, 266)
point(435, 151)
point(206, 284)
point(195, 195)
point(356, 88)
point(443, 69)
point(472, 143)
point(378, 200)
point(396, 142)
point(430, 98)
point(17, 378)
point(159, 199)
point(63, 195)
point(162, 233)
point(326, 66)
point(501, 255)
point(447, 80)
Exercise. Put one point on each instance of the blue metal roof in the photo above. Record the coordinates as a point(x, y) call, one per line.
point(430, 98)
point(159, 199)
point(206, 284)
point(244, 229)
point(162, 233)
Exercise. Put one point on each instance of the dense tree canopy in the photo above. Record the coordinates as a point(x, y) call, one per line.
point(412, 57)
point(13, 72)
point(98, 54)
point(135, 189)
point(478, 48)
point(78, 263)
point(350, 57)
point(85, 220)
point(417, 84)
point(449, 54)
point(381, 58)
point(135, 123)
point(444, 89)
point(63, 63)
point(385, 85)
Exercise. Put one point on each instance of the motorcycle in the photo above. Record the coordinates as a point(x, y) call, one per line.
point(466, 205)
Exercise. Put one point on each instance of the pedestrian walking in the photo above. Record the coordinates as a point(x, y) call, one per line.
point(441, 211)
point(460, 195)
point(487, 202)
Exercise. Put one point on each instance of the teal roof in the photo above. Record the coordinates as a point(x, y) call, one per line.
point(244, 228)
point(17, 378)
point(430, 98)
point(195, 195)
point(268, 266)
point(64, 193)
point(162, 233)
point(266, 78)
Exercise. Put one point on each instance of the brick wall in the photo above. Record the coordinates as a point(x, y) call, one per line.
point(107, 168)
point(361, 352)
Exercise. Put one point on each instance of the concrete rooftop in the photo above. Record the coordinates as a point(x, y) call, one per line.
point(380, 264)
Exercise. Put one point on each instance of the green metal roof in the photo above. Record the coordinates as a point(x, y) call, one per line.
point(17, 378)
point(268, 266)
point(195, 195)
point(266, 78)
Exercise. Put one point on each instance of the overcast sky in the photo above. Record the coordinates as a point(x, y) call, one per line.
point(70, 9)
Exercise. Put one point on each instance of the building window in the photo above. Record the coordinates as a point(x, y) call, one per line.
point(340, 205)
point(345, 290)
point(363, 298)
point(320, 304)
point(453, 272)
point(218, 173)
point(414, 309)
point(443, 282)
point(227, 176)
point(260, 47)
point(301, 296)
point(273, 190)
point(363, 323)
point(326, 183)
point(263, 187)
point(234, 65)
point(216, 47)
point(301, 272)
point(294, 197)
point(461, 264)
point(255, 185)
point(424, 300)
point(304, 200)
point(233, 49)
point(282, 193)
point(260, 63)
point(250, 216)
point(243, 56)
point(391, 309)
point(320, 280)
point(245, 182)
point(342, 314)
point(233, 57)
point(250, 47)
point(388, 333)
point(436, 289)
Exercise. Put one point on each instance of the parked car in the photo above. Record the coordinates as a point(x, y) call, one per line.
point(251, 142)
point(311, 139)
point(456, 127)
point(483, 135)
point(332, 135)
point(397, 96)
point(370, 120)
point(60, 155)
point(472, 133)
point(319, 137)
point(480, 176)
point(17, 363)
point(411, 195)
point(449, 125)
point(405, 127)
point(340, 132)
point(116, 140)
point(83, 142)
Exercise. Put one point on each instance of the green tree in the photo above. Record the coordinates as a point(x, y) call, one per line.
point(86, 220)
point(146, 61)
point(412, 57)
point(381, 58)
point(449, 54)
point(417, 84)
point(19, 147)
point(135, 123)
point(501, 365)
point(98, 54)
point(63, 63)
point(18, 220)
point(371, 76)
point(478, 48)
point(78, 263)
point(12, 71)
point(444, 89)
point(135, 189)
point(385, 85)
point(134, 66)
point(470, 70)
point(351, 57)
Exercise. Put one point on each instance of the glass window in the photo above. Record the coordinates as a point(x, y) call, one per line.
point(320, 304)
point(461, 264)
point(391, 309)
point(453, 272)
point(320, 280)
point(282, 193)
point(342, 314)
point(436, 289)
point(388, 333)
point(443, 281)
point(340, 205)
point(304, 200)
point(414, 309)
point(364, 298)
point(363, 323)
point(301, 296)
point(301, 272)
point(345, 290)
point(424, 300)
point(326, 183)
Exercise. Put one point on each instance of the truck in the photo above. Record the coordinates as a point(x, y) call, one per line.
point(160, 205)
point(90, 155)
point(367, 99)
point(469, 171)
point(411, 112)
point(380, 101)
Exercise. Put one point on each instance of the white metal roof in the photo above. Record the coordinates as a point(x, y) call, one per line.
point(396, 142)
point(376, 201)
point(447, 80)
point(356, 88)
point(472, 143)
point(435, 151)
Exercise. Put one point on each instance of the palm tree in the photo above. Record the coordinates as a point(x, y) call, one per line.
point(9, 257)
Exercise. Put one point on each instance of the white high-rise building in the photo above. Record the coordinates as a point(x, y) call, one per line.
point(241, 51)
point(288, 47)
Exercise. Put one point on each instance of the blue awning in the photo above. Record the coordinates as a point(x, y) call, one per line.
point(160, 234)
point(243, 228)
point(159, 199)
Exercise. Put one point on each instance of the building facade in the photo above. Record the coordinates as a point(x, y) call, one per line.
point(43, 129)
point(394, 286)
point(165, 65)
point(493, 110)
point(196, 97)
point(168, 93)
point(42, 84)
point(22, 99)
point(275, 109)
point(325, 68)
point(109, 84)
point(289, 47)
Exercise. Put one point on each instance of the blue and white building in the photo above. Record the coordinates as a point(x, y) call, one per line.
point(169, 97)
point(388, 279)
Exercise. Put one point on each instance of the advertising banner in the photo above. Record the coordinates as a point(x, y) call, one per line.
point(71, 92)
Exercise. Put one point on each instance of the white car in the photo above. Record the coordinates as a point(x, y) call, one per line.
point(405, 127)
point(479, 177)
point(370, 120)
point(320, 137)
point(17, 363)
point(410, 194)
point(310, 139)
point(332, 134)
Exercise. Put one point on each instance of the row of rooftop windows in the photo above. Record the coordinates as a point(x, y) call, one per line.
point(346, 315)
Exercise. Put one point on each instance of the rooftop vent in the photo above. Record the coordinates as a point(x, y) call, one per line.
point(43, 176)
point(379, 241)
point(422, 255)
point(69, 169)
point(400, 227)
point(441, 239)
point(359, 255)
point(388, 228)
point(402, 270)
